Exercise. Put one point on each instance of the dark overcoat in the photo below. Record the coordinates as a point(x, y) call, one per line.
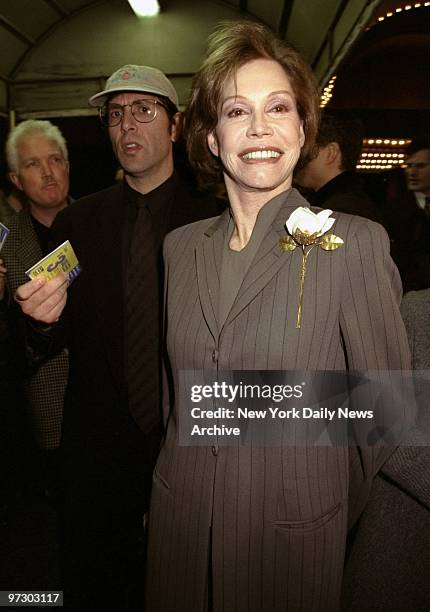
point(108, 460)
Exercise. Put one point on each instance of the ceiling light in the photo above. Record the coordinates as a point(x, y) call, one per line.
point(145, 8)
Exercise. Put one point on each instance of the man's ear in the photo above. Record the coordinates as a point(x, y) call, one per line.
point(176, 127)
point(332, 154)
point(14, 178)
point(212, 141)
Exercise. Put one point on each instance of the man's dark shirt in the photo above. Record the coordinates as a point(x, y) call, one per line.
point(44, 235)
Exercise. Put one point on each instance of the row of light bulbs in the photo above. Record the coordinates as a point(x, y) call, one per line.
point(382, 153)
point(405, 7)
point(328, 89)
point(327, 92)
point(387, 141)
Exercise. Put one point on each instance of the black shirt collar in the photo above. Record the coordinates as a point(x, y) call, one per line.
point(154, 198)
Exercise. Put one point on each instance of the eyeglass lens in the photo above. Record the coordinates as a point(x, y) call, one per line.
point(143, 111)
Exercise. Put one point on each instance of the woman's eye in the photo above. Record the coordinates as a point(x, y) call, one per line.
point(279, 108)
point(236, 112)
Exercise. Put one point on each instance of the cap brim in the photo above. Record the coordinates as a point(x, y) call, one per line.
point(100, 98)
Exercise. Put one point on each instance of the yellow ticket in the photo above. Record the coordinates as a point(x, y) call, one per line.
point(61, 259)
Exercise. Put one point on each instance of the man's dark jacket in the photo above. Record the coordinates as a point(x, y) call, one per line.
point(345, 193)
point(108, 461)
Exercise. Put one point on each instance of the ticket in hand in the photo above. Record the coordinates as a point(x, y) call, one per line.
point(61, 259)
point(4, 232)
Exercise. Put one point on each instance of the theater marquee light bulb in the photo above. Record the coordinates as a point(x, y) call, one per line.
point(145, 8)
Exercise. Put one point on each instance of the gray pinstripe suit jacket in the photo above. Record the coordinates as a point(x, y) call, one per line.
point(278, 516)
point(45, 388)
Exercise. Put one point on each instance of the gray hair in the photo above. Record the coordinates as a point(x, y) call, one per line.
point(27, 128)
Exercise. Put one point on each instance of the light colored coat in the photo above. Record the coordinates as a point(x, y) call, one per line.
point(268, 524)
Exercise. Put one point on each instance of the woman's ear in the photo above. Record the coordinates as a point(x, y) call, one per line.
point(302, 135)
point(213, 143)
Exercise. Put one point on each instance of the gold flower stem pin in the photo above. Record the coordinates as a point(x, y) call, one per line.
point(307, 229)
point(302, 286)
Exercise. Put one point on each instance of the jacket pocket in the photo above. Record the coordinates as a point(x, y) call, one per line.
point(302, 527)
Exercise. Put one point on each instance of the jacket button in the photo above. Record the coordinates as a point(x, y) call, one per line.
point(214, 356)
point(214, 451)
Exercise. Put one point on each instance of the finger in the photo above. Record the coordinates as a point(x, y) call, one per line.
point(40, 288)
point(45, 302)
point(25, 291)
point(50, 311)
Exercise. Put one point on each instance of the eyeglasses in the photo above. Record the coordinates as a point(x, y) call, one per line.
point(144, 111)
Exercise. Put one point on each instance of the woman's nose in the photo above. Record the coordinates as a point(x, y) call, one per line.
point(259, 125)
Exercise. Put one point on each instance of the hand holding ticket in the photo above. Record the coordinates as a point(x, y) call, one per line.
point(61, 259)
point(43, 298)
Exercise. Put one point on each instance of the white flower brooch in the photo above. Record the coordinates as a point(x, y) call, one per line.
point(307, 230)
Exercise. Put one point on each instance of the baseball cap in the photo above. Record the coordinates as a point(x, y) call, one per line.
point(136, 78)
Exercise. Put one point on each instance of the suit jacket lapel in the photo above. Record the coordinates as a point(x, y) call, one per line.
point(208, 263)
point(29, 249)
point(269, 257)
point(26, 246)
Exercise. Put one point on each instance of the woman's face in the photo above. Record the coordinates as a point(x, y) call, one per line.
point(259, 132)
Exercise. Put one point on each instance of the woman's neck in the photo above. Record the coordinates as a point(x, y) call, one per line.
point(245, 207)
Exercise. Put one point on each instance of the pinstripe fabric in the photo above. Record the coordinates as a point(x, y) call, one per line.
point(279, 515)
point(45, 388)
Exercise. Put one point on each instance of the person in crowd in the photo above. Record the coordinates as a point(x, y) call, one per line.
point(17, 449)
point(330, 170)
point(407, 218)
point(5, 488)
point(417, 169)
point(415, 309)
point(393, 538)
point(11, 202)
point(111, 324)
point(37, 157)
point(254, 527)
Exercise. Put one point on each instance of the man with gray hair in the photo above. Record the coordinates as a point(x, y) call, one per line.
point(112, 326)
point(38, 163)
point(37, 158)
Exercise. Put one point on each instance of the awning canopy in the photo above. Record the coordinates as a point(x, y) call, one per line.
point(57, 53)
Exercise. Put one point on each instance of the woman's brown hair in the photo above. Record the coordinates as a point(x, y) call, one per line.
point(232, 45)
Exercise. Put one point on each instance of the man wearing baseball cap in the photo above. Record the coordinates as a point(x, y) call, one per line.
point(111, 324)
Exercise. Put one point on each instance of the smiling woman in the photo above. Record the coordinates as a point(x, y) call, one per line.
point(254, 527)
point(259, 132)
